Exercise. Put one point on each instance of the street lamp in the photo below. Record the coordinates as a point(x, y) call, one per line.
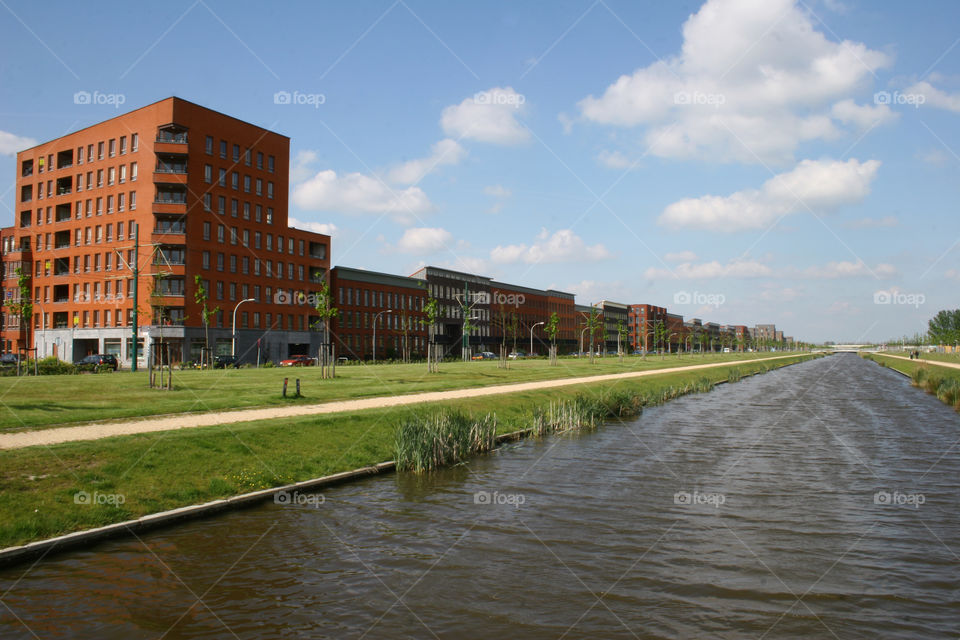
point(375, 318)
point(43, 329)
point(581, 340)
point(233, 350)
point(530, 353)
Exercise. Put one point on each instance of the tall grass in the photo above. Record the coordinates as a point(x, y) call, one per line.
point(431, 441)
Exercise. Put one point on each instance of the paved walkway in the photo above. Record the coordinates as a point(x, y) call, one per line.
point(105, 430)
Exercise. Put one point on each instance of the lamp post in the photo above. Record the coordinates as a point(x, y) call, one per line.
point(581, 340)
point(375, 318)
point(530, 353)
point(43, 329)
point(233, 331)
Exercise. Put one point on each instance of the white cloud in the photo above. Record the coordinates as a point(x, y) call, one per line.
point(863, 116)
point(358, 193)
point(873, 223)
point(497, 191)
point(935, 157)
point(614, 160)
point(593, 291)
point(680, 256)
point(560, 246)
point(325, 228)
point(445, 152)
point(753, 79)
point(710, 270)
point(488, 116)
point(844, 269)
point(935, 97)
point(425, 240)
point(821, 186)
point(301, 169)
point(10, 143)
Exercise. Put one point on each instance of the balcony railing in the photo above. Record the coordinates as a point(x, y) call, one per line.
point(175, 230)
point(171, 198)
point(171, 168)
point(176, 138)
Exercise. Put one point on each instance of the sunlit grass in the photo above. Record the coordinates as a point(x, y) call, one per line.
point(49, 401)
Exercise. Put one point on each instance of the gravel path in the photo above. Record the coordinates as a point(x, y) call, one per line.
point(95, 431)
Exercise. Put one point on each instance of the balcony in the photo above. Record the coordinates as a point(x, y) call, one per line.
point(170, 198)
point(171, 137)
point(179, 168)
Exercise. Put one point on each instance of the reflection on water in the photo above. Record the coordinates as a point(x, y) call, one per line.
point(814, 501)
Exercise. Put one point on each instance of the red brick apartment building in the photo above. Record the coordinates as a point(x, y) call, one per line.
point(176, 191)
point(394, 304)
point(518, 312)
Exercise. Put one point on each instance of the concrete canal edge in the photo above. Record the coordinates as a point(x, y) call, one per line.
point(41, 548)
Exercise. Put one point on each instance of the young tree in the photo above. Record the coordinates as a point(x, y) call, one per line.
point(944, 328)
point(326, 312)
point(201, 296)
point(622, 334)
point(22, 305)
point(432, 310)
point(552, 329)
point(595, 329)
point(660, 334)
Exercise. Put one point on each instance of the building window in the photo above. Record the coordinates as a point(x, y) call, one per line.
point(233, 235)
point(208, 172)
point(133, 200)
point(246, 157)
point(233, 263)
point(219, 262)
point(100, 150)
point(259, 187)
point(113, 147)
point(209, 145)
point(123, 173)
point(256, 239)
point(269, 215)
point(258, 217)
point(134, 142)
point(222, 180)
point(259, 160)
point(270, 190)
point(234, 180)
point(121, 201)
point(133, 172)
point(221, 205)
point(246, 210)
point(111, 175)
point(207, 201)
point(246, 184)
point(234, 207)
point(236, 153)
point(221, 233)
point(206, 259)
point(270, 163)
point(123, 145)
point(206, 230)
point(223, 149)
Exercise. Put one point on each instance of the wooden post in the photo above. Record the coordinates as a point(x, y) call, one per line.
point(298, 388)
point(285, 387)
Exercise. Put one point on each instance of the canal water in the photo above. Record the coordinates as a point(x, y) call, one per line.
point(817, 501)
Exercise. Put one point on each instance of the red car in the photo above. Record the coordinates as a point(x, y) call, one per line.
point(297, 361)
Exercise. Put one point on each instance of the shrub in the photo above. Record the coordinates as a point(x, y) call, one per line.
point(425, 443)
point(52, 366)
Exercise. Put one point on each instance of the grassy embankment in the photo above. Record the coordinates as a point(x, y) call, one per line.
point(159, 471)
point(943, 382)
point(50, 401)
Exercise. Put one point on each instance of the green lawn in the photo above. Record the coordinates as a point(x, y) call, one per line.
point(910, 366)
point(50, 401)
point(159, 471)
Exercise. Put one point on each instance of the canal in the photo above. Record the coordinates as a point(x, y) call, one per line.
point(816, 501)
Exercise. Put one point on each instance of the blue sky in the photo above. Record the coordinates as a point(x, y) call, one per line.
point(739, 161)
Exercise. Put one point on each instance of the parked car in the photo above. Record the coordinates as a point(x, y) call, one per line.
point(484, 355)
point(514, 355)
point(222, 362)
point(297, 361)
point(9, 360)
point(98, 360)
